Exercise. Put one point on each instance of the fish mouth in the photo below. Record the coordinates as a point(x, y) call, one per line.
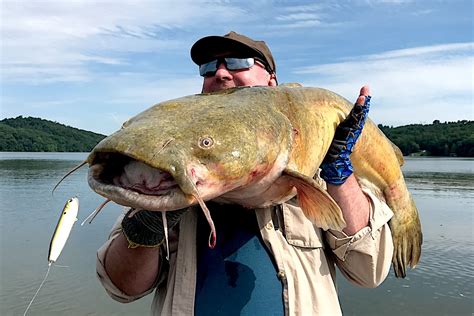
point(131, 182)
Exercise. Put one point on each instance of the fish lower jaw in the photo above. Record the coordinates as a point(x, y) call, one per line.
point(173, 199)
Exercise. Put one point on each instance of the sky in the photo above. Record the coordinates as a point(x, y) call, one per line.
point(94, 64)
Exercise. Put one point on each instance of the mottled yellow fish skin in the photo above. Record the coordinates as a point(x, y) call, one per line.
point(256, 146)
point(375, 159)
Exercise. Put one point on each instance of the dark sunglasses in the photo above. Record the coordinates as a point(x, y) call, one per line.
point(209, 69)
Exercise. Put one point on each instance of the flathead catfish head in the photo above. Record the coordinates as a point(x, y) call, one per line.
point(197, 147)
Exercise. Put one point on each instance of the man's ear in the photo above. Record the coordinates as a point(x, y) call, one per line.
point(273, 81)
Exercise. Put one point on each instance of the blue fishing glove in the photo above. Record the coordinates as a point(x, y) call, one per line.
point(337, 166)
point(145, 228)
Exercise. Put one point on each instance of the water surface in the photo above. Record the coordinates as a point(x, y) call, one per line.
point(442, 284)
point(443, 281)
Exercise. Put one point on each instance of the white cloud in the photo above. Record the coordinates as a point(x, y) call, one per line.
point(422, 12)
point(144, 93)
point(120, 98)
point(301, 16)
point(297, 16)
point(410, 85)
point(389, 2)
point(55, 40)
point(301, 24)
point(133, 99)
point(305, 8)
point(393, 1)
point(455, 48)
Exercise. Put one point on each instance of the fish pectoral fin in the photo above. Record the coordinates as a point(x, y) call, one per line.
point(316, 203)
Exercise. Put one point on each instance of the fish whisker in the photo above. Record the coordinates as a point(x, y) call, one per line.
point(163, 147)
point(207, 214)
point(68, 174)
point(165, 226)
point(95, 212)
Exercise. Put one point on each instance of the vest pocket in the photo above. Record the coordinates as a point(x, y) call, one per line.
point(298, 230)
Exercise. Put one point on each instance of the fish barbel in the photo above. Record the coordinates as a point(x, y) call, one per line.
point(255, 147)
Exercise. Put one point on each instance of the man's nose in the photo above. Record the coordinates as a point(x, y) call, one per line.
point(222, 72)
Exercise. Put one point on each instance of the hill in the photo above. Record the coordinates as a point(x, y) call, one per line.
point(36, 134)
point(454, 139)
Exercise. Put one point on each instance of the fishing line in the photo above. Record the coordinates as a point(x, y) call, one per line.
point(39, 288)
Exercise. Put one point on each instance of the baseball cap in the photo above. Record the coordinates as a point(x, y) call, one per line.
point(207, 48)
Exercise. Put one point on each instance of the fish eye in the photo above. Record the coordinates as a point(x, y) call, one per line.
point(206, 142)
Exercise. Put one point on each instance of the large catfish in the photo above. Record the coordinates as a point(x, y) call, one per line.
point(255, 147)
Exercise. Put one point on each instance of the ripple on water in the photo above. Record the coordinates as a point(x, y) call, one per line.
point(447, 267)
point(440, 182)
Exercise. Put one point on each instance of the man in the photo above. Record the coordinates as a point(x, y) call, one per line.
point(270, 261)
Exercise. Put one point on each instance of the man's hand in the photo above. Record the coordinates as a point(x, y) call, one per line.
point(145, 228)
point(337, 166)
point(132, 260)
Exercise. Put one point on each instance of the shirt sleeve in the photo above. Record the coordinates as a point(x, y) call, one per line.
point(104, 279)
point(365, 257)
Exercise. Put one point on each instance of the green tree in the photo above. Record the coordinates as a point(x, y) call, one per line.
point(35, 134)
point(437, 139)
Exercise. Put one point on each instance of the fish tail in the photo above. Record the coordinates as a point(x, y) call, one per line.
point(407, 238)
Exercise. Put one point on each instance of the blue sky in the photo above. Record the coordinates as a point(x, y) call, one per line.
point(94, 64)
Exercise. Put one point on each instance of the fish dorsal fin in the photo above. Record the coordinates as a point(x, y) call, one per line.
point(291, 85)
point(316, 203)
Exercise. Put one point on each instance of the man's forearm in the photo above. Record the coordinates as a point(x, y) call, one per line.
point(132, 270)
point(353, 203)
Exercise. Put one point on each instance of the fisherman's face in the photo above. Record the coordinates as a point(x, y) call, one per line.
point(225, 79)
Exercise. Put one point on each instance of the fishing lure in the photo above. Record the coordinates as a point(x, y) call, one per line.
point(58, 241)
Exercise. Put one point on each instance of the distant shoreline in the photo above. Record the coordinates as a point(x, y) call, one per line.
point(439, 139)
point(88, 152)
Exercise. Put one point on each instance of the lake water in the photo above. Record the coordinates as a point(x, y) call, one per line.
point(442, 284)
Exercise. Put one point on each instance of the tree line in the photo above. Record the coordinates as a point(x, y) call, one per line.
point(36, 134)
point(455, 139)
